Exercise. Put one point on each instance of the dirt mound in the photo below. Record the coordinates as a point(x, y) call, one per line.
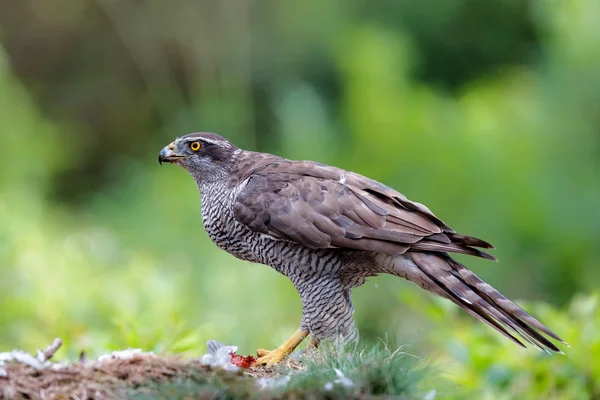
point(117, 375)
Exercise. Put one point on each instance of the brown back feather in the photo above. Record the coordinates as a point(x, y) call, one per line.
point(321, 206)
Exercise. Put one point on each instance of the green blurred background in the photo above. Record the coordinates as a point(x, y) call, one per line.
point(488, 112)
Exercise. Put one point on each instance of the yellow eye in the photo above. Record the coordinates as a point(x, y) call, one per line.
point(195, 146)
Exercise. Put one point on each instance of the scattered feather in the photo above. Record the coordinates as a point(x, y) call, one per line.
point(125, 355)
point(219, 356)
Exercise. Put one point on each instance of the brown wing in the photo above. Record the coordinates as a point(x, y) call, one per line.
point(321, 206)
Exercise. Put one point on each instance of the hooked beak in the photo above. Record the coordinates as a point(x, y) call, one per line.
point(167, 154)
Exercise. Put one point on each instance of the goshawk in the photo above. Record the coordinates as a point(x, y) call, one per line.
point(328, 230)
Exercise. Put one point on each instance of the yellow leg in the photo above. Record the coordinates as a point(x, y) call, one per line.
point(273, 357)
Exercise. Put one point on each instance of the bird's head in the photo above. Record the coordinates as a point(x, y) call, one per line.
point(206, 156)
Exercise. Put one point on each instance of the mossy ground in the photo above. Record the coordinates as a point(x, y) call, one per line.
point(330, 373)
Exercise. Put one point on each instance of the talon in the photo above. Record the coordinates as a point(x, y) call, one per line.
point(270, 358)
point(262, 352)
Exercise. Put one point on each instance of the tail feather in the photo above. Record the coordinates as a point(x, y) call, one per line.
point(458, 293)
point(425, 245)
point(444, 276)
point(469, 240)
point(454, 243)
point(476, 309)
point(499, 299)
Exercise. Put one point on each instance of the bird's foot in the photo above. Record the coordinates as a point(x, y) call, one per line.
point(271, 357)
point(263, 352)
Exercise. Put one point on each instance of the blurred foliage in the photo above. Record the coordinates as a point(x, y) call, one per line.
point(489, 113)
point(493, 368)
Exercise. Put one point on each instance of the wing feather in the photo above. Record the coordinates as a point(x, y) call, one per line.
point(322, 207)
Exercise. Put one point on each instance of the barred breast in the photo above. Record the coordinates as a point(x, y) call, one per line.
point(221, 226)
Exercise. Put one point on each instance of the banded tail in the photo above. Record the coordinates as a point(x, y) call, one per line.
point(441, 274)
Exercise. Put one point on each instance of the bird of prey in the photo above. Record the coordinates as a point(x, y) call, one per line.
point(328, 230)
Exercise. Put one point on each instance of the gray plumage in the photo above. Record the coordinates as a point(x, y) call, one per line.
point(327, 230)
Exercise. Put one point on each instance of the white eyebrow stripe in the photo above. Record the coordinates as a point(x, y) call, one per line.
point(221, 143)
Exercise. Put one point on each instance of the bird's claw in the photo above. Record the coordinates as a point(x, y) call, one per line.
point(262, 352)
point(270, 357)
